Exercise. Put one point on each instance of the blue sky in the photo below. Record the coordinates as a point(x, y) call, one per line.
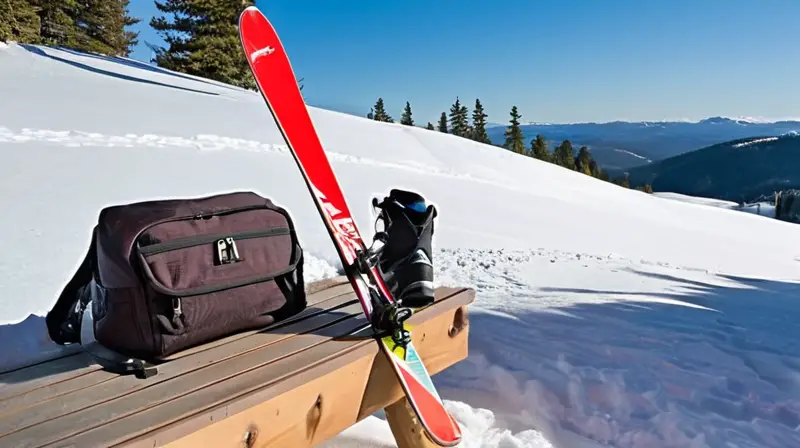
point(557, 60)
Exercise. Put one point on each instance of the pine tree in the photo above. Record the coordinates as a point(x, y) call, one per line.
point(564, 155)
point(515, 139)
point(95, 26)
point(582, 162)
point(102, 25)
point(203, 40)
point(406, 117)
point(539, 148)
point(623, 181)
point(599, 172)
point(379, 113)
point(19, 21)
point(430, 127)
point(443, 123)
point(458, 119)
point(127, 39)
point(479, 124)
point(463, 113)
point(594, 168)
point(57, 23)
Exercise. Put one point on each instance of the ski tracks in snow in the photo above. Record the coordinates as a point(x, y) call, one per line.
point(205, 143)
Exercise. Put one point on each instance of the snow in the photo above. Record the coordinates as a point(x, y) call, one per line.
point(753, 142)
point(603, 316)
point(756, 208)
point(762, 120)
point(760, 208)
point(696, 200)
point(633, 154)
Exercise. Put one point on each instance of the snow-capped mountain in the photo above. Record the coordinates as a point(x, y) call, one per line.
point(620, 145)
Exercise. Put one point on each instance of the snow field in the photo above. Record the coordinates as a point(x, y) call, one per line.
point(603, 316)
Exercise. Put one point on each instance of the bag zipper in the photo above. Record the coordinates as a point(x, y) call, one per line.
point(192, 241)
point(158, 287)
point(205, 290)
point(206, 214)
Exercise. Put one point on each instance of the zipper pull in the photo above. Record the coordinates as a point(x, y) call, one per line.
point(226, 251)
point(177, 311)
point(177, 314)
point(233, 251)
point(222, 251)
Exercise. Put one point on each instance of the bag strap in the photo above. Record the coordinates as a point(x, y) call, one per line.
point(71, 320)
point(63, 325)
point(111, 360)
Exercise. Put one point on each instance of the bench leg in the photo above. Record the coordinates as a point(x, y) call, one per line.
point(407, 431)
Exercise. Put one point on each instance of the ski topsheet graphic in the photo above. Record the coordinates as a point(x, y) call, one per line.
point(276, 80)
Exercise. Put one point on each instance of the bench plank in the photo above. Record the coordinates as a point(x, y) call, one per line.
point(18, 382)
point(63, 370)
point(42, 388)
point(42, 419)
point(308, 351)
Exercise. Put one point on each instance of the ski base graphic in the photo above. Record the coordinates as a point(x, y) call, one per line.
point(276, 81)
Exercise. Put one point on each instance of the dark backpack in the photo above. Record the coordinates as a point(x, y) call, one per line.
point(161, 276)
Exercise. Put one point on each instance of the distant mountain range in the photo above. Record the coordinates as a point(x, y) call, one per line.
point(620, 145)
point(738, 170)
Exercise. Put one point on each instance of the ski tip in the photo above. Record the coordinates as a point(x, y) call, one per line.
point(249, 11)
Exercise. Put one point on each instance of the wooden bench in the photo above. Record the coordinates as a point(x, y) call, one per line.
point(297, 384)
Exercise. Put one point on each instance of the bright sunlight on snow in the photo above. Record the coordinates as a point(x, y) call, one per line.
point(603, 316)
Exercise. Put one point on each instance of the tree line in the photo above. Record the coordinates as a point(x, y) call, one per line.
point(97, 26)
point(202, 37)
point(457, 122)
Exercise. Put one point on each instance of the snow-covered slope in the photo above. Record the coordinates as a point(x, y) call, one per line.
point(603, 314)
point(757, 208)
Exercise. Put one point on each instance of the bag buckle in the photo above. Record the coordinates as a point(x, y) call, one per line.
point(227, 252)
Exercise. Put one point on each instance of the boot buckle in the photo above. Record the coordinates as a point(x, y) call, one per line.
point(369, 258)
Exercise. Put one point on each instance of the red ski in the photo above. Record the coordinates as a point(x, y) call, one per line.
point(275, 78)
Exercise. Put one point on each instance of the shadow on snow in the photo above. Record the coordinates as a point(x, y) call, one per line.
point(149, 67)
point(40, 52)
point(638, 373)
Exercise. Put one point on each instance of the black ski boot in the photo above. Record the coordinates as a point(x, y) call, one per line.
point(405, 260)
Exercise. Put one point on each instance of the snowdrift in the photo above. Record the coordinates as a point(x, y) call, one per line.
point(603, 314)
